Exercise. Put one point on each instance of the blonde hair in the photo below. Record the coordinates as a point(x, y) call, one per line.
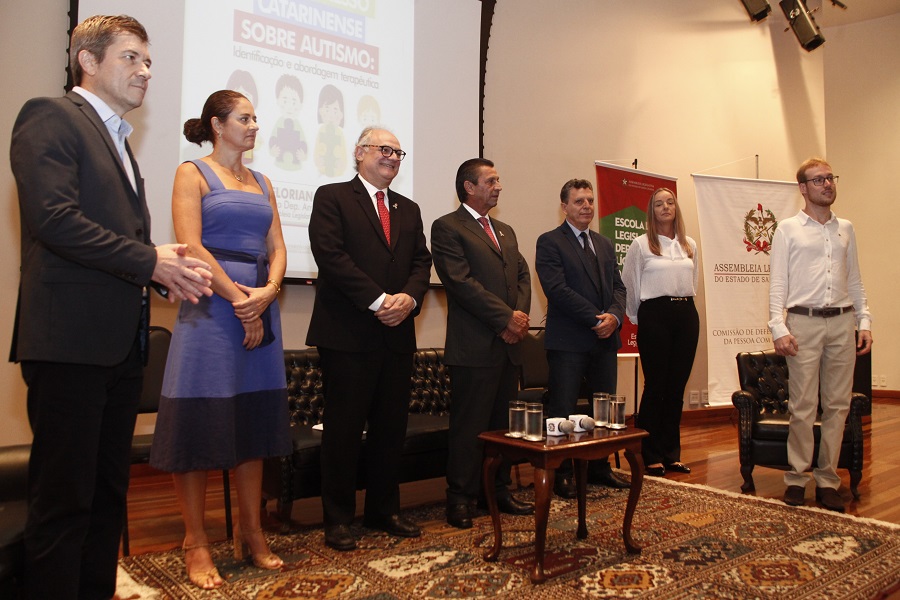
point(653, 228)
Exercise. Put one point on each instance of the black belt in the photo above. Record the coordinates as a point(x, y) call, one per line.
point(830, 311)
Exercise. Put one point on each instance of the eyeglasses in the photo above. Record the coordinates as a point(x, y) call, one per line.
point(387, 151)
point(820, 181)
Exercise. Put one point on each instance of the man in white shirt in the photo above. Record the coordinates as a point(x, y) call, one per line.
point(815, 276)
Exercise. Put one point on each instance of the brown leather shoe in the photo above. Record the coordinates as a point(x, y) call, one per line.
point(830, 499)
point(794, 495)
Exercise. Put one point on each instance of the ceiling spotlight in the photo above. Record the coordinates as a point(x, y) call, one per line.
point(801, 20)
point(757, 9)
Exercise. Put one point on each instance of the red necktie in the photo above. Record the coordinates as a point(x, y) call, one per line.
point(487, 229)
point(384, 216)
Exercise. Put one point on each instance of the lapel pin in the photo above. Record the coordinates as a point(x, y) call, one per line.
point(394, 205)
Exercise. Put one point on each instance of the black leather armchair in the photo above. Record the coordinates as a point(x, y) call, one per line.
point(424, 454)
point(763, 417)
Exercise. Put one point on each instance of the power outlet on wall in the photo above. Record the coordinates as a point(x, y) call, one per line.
point(882, 380)
point(704, 397)
point(695, 399)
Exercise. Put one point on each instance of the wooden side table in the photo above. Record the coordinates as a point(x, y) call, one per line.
point(545, 456)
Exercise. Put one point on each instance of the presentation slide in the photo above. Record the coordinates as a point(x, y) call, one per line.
point(317, 73)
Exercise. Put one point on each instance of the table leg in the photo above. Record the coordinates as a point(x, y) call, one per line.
point(489, 473)
point(636, 462)
point(581, 487)
point(543, 489)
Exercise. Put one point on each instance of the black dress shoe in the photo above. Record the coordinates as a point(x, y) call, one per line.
point(509, 505)
point(610, 479)
point(459, 516)
point(339, 538)
point(678, 468)
point(659, 471)
point(564, 487)
point(394, 525)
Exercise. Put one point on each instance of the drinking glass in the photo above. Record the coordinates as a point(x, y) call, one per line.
point(616, 412)
point(601, 409)
point(534, 421)
point(516, 419)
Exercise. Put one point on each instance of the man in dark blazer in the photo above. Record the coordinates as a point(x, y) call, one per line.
point(81, 320)
point(579, 274)
point(488, 296)
point(374, 268)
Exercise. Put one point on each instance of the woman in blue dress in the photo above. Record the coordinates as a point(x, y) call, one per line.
point(224, 398)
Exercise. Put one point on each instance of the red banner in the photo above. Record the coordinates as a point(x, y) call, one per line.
point(622, 198)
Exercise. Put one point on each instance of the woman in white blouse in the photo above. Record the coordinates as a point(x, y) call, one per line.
point(660, 272)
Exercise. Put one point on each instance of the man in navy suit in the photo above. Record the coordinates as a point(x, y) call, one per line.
point(374, 269)
point(488, 296)
point(81, 321)
point(579, 274)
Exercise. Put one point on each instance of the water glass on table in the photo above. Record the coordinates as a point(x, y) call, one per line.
point(616, 412)
point(601, 409)
point(534, 421)
point(516, 419)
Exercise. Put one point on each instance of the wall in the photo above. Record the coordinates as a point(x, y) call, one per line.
point(683, 87)
point(862, 92)
point(33, 65)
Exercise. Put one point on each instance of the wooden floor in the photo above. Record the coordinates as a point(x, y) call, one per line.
point(709, 447)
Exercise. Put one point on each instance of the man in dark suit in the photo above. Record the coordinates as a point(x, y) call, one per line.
point(488, 295)
point(81, 320)
point(374, 268)
point(579, 274)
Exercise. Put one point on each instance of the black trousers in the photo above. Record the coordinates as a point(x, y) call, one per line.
point(668, 330)
point(481, 397)
point(599, 367)
point(83, 418)
point(366, 391)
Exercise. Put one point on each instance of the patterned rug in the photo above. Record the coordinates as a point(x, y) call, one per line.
point(697, 543)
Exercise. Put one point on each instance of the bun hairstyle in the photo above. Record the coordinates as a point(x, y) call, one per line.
point(219, 105)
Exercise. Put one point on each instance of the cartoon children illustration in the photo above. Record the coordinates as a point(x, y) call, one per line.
point(288, 144)
point(331, 148)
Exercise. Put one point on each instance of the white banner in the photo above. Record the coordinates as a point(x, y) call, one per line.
point(738, 218)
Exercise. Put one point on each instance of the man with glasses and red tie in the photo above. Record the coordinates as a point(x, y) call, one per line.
point(488, 296)
point(374, 268)
point(814, 274)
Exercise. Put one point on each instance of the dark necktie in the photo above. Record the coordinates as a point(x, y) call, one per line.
point(384, 216)
point(587, 248)
point(487, 229)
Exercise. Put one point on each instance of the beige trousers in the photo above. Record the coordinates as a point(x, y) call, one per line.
point(822, 368)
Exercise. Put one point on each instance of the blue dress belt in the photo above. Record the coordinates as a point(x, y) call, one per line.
point(262, 271)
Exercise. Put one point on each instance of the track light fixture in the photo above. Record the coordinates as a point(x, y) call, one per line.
point(801, 21)
point(757, 9)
